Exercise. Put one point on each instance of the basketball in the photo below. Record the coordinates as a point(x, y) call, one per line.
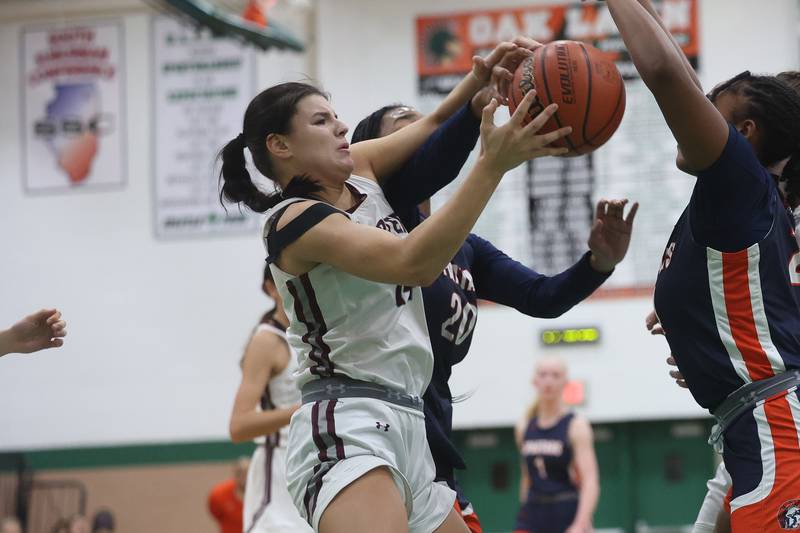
point(584, 83)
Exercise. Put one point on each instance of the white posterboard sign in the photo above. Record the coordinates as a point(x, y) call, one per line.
point(72, 91)
point(202, 86)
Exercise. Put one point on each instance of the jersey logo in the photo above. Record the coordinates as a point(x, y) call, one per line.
point(384, 427)
point(546, 447)
point(666, 259)
point(794, 269)
point(789, 515)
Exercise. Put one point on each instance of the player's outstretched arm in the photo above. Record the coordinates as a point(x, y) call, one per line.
point(648, 5)
point(699, 128)
point(502, 280)
point(382, 157)
point(419, 258)
point(39, 331)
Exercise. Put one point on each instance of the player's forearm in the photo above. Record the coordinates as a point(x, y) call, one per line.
point(588, 495)
point(507, 282)
point(432, 244)
point(248, 426)
point(436, 163)
point(651, 50)
point(459, 96)
point(6, 342)
point(648, 5)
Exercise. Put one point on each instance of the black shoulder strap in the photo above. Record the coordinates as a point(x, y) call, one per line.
point(277, 240)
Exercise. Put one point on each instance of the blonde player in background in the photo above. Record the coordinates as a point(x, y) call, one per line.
point(560, 482)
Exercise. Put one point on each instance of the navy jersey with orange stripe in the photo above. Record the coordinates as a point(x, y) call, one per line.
point(728, 290)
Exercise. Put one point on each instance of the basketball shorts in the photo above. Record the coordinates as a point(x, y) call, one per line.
point(334, 442)
point(267, 504)
point(762, 455)
point(553, 517)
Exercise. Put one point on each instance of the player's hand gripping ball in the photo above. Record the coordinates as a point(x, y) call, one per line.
point(586, 85)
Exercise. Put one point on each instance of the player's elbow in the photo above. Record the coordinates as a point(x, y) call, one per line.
point(421, 274)
point(426, 277)
point(415, 270)
point(236, 432)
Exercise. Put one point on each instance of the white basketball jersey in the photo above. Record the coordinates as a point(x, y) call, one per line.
point(281, 391)
point(345, 325)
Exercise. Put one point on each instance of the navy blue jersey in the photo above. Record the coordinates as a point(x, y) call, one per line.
point(547, 453)
point(728, 290)
point(477, 271)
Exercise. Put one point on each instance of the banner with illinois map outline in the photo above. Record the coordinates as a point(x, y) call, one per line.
point(72, 112)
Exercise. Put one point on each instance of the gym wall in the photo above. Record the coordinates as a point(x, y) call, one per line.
point(156, 327)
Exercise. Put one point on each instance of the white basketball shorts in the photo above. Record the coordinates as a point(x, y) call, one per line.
point(334, 442)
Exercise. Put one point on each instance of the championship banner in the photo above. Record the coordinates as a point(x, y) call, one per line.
point(72, 83)
point(542, 211)
point(201, 89)
point(447, 43)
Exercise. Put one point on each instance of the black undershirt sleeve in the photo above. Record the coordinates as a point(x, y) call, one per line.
point(277, 240)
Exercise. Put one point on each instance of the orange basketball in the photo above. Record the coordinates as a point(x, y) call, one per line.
point(584, 83)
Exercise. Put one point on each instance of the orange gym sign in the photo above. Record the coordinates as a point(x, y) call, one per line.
point(446, 43)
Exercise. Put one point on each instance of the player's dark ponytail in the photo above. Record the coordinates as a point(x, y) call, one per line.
point(271, 111)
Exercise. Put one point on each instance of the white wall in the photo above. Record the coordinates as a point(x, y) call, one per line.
point(156, 327)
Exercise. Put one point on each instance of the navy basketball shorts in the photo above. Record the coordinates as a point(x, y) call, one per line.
point(554, 517)
point(762, 455)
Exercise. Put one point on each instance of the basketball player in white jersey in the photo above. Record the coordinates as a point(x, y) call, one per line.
point(266, 399)
point(349, 276)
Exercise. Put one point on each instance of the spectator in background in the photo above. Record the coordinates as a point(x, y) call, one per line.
point(79, 524)
point(10, 525)
point(103, 522)
point(35, 332)
point(225, 499)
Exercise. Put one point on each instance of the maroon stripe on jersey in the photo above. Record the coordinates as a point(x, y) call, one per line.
point(332, 429)
point(266, 400)
point(322, 329)
point(268, 492)
point(313, 354)
point(322, 450)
